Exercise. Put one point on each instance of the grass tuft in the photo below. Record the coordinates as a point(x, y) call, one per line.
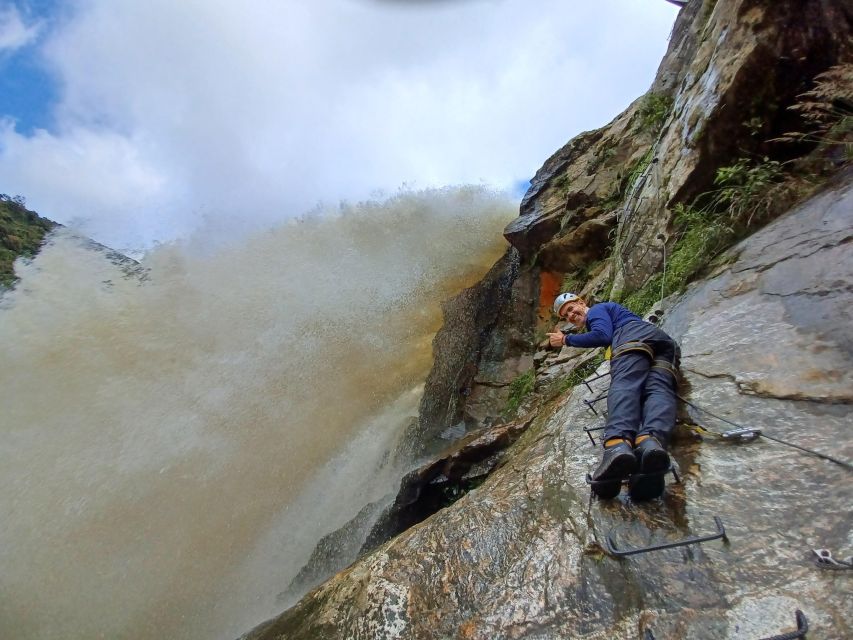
point(519, 389)
point(654, 110)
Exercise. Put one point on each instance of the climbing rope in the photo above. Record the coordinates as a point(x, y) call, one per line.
point(744, 432)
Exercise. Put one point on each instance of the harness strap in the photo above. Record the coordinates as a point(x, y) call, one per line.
point(633, 346)
point(666, 365)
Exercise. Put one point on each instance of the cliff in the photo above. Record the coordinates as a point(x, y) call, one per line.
point(21, 233)
point(722, 201)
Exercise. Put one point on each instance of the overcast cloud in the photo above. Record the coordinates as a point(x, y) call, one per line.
point(200, 112)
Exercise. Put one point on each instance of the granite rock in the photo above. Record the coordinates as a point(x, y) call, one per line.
point(766, 343)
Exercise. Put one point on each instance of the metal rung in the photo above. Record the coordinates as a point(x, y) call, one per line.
point(610, 545)
point(589, 429)
point(802, 628)
point(598, 377)
point(637, 476)
point(589, 403)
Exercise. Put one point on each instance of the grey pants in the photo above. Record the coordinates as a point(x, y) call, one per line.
point(642, 396)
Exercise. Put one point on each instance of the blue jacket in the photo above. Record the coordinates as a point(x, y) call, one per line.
point(602, 321)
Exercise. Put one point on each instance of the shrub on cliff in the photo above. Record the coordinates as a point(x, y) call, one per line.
point(21, 233)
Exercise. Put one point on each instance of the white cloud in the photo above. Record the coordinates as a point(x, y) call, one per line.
point(257, 110)
point(14, 34)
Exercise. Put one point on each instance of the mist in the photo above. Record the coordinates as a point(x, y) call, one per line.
point(176, 438)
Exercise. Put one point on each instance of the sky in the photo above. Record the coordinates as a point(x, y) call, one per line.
point(142, 122)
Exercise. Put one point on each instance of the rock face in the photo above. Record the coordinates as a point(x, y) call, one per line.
point(723, 91)
point(522, 555)
point(484, 345)
point(739, 65)
point(440, 482)
point(21, 234)
point(766, 342)
point(603, 204)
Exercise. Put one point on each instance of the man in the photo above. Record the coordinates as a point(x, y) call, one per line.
point(641, 403)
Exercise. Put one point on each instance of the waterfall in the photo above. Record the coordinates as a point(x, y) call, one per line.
point(175, 439)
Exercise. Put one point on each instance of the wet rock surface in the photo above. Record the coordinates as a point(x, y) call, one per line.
point(736, 61)
point(440, 482)
point(766, 342)
point(522, 555)
point(528, 232)
point(485, 343)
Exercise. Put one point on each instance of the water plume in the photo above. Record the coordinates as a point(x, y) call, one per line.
point(174, 446)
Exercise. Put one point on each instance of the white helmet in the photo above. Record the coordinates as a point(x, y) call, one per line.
point(562, 299)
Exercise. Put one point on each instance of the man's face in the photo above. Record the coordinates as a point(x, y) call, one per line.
point(575, 313)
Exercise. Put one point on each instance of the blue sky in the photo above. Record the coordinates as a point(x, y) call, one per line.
point(28, 90)
point(146, 121)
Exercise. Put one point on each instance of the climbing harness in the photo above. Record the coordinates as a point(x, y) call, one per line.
point(743, 433)
point(633, 345)
point(825, 560)
point(612, 549)
point(802, 629)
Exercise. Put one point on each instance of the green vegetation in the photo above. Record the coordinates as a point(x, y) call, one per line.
point(754, 125)
point(519, 389)
point(604, 154)
point(653, 111)
point(575, 280)
point(577, 375)
point(635, 171)
point(612, 201)
point(827, 112)
point(21, 233)
point(703, 237)
point(748, 191)
point(452, 491)
point(561, 184)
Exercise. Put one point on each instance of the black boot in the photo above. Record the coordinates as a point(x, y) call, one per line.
point(617, 463)
point(652, 465)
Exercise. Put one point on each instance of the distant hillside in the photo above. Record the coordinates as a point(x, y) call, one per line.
point(21, 233)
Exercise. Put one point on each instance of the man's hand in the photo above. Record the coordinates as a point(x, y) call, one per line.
point(556, 339)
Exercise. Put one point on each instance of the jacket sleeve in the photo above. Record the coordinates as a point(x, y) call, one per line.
point(600, 332)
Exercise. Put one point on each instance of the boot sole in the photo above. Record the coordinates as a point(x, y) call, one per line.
point(643, 487)
point(619, 468)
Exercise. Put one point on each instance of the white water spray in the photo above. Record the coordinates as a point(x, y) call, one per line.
point(171, 450)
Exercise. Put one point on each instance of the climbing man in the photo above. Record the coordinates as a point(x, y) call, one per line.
point(641, 403)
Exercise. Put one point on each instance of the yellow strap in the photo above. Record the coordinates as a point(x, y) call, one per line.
point(702, 430)
point(608, 353)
